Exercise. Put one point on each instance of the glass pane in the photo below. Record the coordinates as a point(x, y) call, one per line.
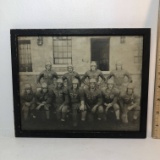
point(55, 43)
point(69, 61)
point(69, 49)
point(54, 38)
point(64, 49)
point(64, 43)
point(69, 54)
point(55, 49)
point(69, 37)
point(60, 49)
point(65, 54)
point(59, 43)
point(69, 43)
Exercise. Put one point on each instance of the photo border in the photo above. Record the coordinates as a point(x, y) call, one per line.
point(145, 32)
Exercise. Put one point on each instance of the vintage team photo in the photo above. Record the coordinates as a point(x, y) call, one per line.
point(80, 82)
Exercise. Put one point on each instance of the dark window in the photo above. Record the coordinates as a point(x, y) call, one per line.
point(62, 50)
point(25, 60)
point(100, 52)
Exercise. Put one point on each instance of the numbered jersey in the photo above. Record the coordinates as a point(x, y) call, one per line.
point(129, 99)
point(47, 76)
point(75, 95)
point(93, 74)
point(60, 96)
point(47, 97)
point(28, 97)
point(92, 98)
point(109, 95)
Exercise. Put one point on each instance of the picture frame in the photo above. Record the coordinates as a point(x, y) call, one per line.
point(94, 111)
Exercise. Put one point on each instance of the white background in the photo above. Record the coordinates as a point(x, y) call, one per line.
point(72, 14)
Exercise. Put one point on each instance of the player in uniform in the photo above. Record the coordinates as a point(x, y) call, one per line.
point(48, 74)
point(61, 101)
point(70, 75)
point(28, 102)
point(75, 94)
point(129, 102)
point(93, 73)
point(119, 74)
point(110, 95)
point(44, 98)
point(92, 100)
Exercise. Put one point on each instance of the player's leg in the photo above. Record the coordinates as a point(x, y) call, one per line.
point(64, 112)
point(125, 114)
point(117, 111)
point(100, 111)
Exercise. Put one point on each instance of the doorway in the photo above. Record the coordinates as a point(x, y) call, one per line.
point(100, 52)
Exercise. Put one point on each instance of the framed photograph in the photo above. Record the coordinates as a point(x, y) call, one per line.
point(89, 83)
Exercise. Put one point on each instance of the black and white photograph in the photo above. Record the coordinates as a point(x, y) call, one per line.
point(80, 83)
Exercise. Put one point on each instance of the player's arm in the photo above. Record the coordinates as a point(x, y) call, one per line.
point(40, 76)
point(99, 102)
point(110, 75)
point(54, 75)
point(128, 76)
point(84, 77)
point(102, 76)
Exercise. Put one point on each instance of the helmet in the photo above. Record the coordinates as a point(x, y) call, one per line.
point(93, 63)
point(70, 65)
point(44, 85)
point(27, 86)
point(59, 80)
point(119, 63)
point(48, 63)
point(130, 86)
point(75, 81)
point(92, 80)
point(110, 81)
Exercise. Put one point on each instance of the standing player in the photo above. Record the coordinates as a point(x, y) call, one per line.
point(92, 99)
point(75, 99)
point(61, 101)
point(93, 73)
point(119, 74)
point(28, 102)
point(48, 74)
point(110, 95)
point(44, 99)
point(129, 102)
point(70, 75)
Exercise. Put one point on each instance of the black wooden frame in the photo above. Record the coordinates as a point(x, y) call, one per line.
point(145, 32)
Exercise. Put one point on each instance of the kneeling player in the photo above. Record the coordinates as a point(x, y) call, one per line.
point(44, 99)
point(61, 101)
point(110, 95)
point(28, 102)
point(129, 101)
point(92, 98)
point(75, 100)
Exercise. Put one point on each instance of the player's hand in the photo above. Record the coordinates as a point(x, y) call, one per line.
point(27, 104)
point(81, 108)
point(129, 108)
point(109, 105)
point(94, 109)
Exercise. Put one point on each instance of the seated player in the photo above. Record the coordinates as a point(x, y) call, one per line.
point(48, 74)
point(70, 75)
point(28, 102)
point(75, 101)
point(129, 101)
point(110, 95)
point(92, 100)
point(60, 101)
point(44, 98)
